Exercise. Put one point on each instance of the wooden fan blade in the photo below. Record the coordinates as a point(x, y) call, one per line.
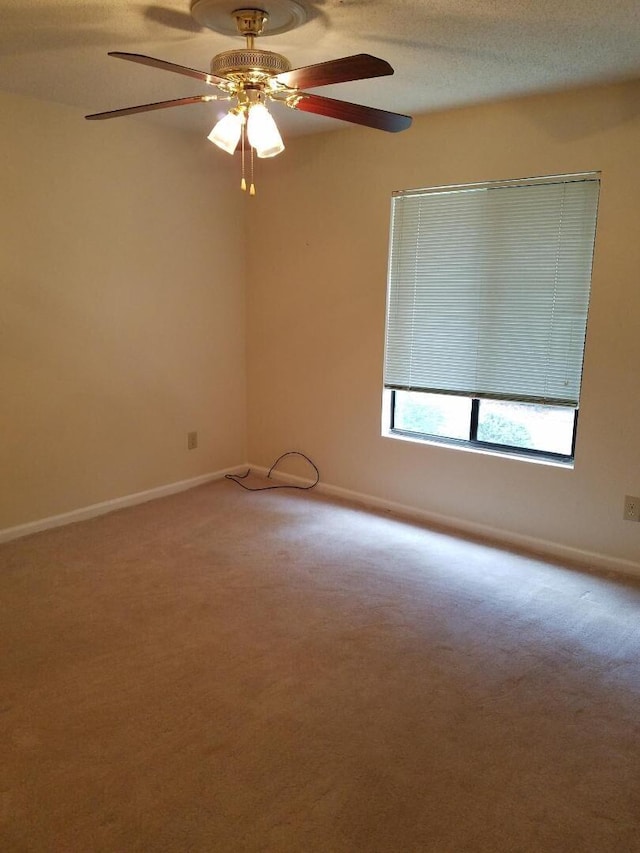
point(358, 67)
point(159, 105)
point(355, 113)
point(168, 66)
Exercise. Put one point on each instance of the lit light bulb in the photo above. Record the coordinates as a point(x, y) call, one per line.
point(226, 133)
point(262, 132)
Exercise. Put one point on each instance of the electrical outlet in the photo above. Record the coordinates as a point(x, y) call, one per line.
point(631, 508)
point(192, 440)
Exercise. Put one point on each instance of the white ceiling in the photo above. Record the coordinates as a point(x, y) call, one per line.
point(444, 52)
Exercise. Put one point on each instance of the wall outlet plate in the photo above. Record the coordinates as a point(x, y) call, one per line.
point(192, 440)
point(631, 508)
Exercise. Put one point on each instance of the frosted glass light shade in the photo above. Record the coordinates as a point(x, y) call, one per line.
point(263, 133)
point(226, 133)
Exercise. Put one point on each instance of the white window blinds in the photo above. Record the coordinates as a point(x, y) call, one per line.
point(489, 289)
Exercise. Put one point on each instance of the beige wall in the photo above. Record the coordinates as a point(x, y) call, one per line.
point(316, 302)
point(121, 310)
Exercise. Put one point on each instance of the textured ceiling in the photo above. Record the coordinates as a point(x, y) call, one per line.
point(445, 53)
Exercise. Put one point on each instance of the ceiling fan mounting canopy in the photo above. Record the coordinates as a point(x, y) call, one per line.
point(250, 22)
point(219, 15)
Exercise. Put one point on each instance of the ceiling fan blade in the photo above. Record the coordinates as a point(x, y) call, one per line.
point(168, 66)
point(159, 105)
point(358, 67)
point(355, 113)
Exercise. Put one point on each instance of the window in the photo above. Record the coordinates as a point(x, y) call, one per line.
point(487, 307)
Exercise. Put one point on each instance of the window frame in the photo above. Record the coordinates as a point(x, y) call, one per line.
point(474, 443)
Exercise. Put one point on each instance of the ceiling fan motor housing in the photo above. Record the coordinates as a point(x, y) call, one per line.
point(249, 64)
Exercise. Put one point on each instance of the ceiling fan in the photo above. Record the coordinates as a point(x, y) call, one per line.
point(252, 77)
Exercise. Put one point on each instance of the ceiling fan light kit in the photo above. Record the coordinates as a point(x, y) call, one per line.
point(253, 77)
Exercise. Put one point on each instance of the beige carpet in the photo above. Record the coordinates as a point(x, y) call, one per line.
point(233, 671)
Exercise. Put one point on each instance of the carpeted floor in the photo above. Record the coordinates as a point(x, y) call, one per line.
point(232, 671)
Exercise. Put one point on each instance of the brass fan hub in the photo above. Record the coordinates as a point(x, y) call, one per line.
point(249, 65)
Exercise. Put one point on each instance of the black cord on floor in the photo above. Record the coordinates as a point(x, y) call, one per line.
point(238, 477)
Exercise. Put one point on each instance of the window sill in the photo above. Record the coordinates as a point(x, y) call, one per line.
point(569, 464)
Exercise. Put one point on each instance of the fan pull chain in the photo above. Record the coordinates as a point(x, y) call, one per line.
point(252, 188)
point(243, 183)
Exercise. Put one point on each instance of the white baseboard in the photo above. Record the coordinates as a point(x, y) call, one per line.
point(498, 536)
point(552, 550)
point(104, 507)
